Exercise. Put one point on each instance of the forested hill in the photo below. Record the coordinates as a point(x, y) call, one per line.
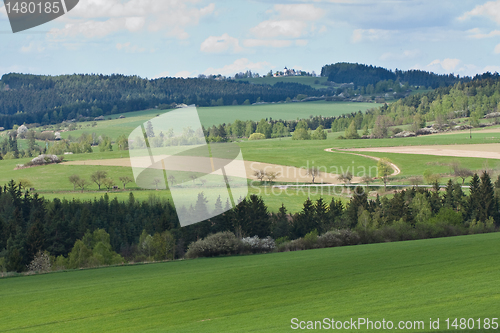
point(473, 99)
point(49, 99)
point(363, 75)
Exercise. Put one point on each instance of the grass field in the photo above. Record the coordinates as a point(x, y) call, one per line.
point(404, 281)
point(298, 153)
point(224, 114)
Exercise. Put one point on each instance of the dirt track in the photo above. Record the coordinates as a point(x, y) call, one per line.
point(286, 173)
point(486, 150)
point(396, 169)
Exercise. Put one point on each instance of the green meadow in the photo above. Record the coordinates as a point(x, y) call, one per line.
point(405, 281)
point(209, 116)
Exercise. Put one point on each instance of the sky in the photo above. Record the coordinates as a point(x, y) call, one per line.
point(185, 38)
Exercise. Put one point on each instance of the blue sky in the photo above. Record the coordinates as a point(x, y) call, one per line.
point(153, 38)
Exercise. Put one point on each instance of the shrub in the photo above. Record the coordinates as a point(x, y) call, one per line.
point(41, 263)
point(295, 245)
point(329, 239)
point(9, 156)
point(311, 239)
point(301, 134)
point(257, 136)
point(255, 244)
point(222, 243)
point(45, 159)
point(478, 227)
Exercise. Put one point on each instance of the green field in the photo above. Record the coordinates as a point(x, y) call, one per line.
point(404, 281)
point(299, 153)
point(224, 114)
point(307, 80)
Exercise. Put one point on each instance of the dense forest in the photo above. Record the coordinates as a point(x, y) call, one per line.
point(52, 99)
point(363, 75)
point(30, 224)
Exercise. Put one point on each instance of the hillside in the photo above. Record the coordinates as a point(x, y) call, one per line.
point(52, 99)
point(405, 281)
point(363, 75)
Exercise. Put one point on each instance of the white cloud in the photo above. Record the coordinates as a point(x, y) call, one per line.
point(303, 12)
point(219, 44)
point(406, 54)
point(240, 65)
point(98, 18)
point(280, 28)
point(162, 74)
point(185, 74)
point(3, 11)
point(490, 9)
point(277, 43)
point(290, 21)
point(492, 69)
point(476, 34)
point(33, 47)
point(497, 49)
point(129, 48)
point(447, 64)
point(89, 29)
point(371, 35)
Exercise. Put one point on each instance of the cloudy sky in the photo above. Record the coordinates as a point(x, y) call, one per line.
point(153, 38)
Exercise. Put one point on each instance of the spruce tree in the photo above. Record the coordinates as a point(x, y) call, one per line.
point(488, 206)
point(473, 204)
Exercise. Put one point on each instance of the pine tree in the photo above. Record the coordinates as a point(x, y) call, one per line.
point(474, 202)
point(488, 205)
point(280, 226)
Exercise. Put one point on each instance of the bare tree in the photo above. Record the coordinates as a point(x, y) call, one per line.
point(157, 182)
point(25, 184)
point(367, 180)
point(346, 177)
point(82, 183)
point(463, 173)
point(108, 183)
point(74, 179)
point(193, 177)
point(271, 176)
point(125, 180)
point(259, 174)
point(314, 172)
point(416, 180)
point(171, 179)
point(98, 177)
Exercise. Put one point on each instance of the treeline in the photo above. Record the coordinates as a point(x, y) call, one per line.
point(30, 225)
point(52, 99)
point(271, 128)
point(364, 75)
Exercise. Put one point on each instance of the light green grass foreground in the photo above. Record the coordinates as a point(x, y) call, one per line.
point(409, 281)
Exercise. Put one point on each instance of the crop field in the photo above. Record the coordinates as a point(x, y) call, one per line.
point(52, 181)
point(224, 114)
point(415, 280)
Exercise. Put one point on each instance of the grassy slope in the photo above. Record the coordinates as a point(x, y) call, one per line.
point(415, 280)
point(54, 178)
point(224, 114)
